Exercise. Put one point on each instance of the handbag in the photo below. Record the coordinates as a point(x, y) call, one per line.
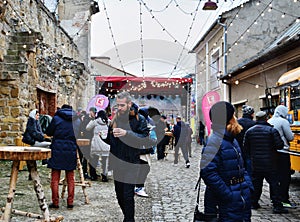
point(198, 215)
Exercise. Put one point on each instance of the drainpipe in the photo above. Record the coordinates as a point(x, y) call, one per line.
point(225, 59)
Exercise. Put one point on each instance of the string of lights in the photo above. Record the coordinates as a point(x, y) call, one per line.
point(185, 12)
point(160, 10)
point(163, 27)
point(186, 40)
point(261, 14)
point(141, 40)
point(247, 30)
point(113, 38)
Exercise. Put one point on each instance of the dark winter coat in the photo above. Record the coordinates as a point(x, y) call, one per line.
point(127, 149)
point(33, 132)
point(263, 141)
point(64, 128)
point(221, 162)
point(246, 122)
point(180, 133)
point(162, 139)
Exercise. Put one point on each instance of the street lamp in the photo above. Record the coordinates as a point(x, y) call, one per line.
point(209, 5)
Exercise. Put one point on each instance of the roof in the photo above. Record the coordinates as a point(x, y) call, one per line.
point(287, 41)
point(292, 32)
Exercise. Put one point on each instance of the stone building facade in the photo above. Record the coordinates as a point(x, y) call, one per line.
point(41, 65)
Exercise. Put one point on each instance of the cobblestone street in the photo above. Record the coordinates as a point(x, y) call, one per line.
point(171, 191)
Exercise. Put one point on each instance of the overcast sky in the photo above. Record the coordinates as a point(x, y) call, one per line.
point(163, 30)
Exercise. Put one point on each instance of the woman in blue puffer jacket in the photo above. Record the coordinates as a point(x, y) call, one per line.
point(64, 129)
point(222, 169)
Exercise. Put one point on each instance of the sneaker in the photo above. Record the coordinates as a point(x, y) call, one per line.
point(70, 206)
point(104, 178)
point(288, 204)
point(187, 164)
point(175, 164)
point(280, 210)
point(140, 191)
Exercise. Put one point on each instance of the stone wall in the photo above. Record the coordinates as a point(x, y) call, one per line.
point(36, 54)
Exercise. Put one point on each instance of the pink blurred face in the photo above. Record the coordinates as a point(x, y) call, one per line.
point(37, 116)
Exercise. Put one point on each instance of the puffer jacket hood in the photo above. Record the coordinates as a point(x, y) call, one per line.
point(281, 111)
point(67, 114)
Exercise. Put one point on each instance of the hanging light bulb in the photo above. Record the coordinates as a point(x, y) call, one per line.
point(236, 82)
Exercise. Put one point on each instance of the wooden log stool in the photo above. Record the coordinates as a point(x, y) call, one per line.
point(82, 182)
point(30, 155)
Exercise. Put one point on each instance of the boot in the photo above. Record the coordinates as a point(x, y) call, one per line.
point(280, 210)
point(104, 178)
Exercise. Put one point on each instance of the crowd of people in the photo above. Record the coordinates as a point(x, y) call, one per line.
point(236, 157)
point(122, 145)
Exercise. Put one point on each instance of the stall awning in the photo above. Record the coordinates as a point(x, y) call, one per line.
point(142, 79)
point(289, 77)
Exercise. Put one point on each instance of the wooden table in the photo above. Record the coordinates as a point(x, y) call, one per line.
point(83, 183)
point(30, 155)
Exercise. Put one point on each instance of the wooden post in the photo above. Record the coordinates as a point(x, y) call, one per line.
point(81, 176)
point(81, 183)
point(33, 215)
point(12, 189)
point(32, 168)
point(64, 183)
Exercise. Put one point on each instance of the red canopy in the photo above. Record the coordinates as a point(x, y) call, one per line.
point(141, 79)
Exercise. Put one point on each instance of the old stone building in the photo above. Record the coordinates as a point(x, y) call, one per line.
point(41, 65)
point(256, 43)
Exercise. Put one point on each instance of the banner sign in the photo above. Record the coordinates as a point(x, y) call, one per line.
point(100, 102)
point(208, 100)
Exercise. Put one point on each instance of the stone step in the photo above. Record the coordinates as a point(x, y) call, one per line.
point(9, 75)
point(12, 59)
point(8, 67)
point(20, 46)
point(22, 39)
point(12, 52)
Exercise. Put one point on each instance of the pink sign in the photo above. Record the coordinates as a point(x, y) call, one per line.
point(208, 100)
point(100, 102)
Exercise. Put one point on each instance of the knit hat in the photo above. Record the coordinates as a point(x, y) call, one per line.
point(221, 113)
point(261, 115)
point(248, 109)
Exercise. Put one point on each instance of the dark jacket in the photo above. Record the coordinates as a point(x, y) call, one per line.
point(180, 133)
point(221, 162)
point(246, 122)
point(127, 149)
point(162, 139)
point(263, 141)
point(33, 132)
point(64, 128)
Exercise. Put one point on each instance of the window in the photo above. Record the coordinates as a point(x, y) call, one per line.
point(215, 69)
